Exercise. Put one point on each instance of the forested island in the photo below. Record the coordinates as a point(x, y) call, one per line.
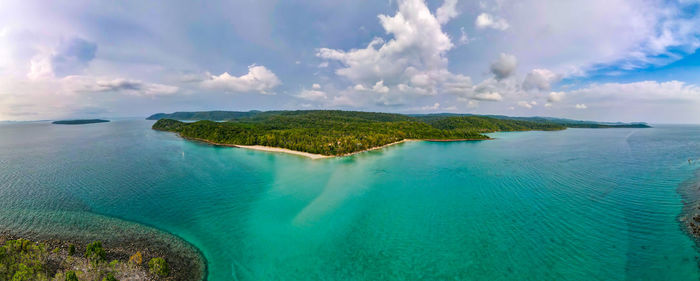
point(335, 133)
point(229, 115)
point(79, 121)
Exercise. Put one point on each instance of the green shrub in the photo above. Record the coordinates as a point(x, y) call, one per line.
point(71, 276)
point(109, 277)
point(95, 252)
point(158, 266)
point(71, 250)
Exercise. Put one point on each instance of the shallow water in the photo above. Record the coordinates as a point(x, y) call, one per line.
point(579, 204)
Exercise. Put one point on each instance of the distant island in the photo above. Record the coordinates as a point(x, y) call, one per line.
point(324, 133)
point(79, 121)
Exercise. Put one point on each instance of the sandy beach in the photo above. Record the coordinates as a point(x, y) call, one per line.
point(318, 156)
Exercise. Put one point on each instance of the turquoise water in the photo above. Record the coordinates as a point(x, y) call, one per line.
point(579, 204)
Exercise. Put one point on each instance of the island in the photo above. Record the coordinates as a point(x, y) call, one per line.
point(79, 121)
point(328, 133)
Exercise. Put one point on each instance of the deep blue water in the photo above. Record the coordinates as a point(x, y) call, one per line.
point(579, 204)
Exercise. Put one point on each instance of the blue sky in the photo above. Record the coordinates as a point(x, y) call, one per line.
point(611, 60)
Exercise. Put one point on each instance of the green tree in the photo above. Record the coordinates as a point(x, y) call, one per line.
point(71, 276)
point(158, 266)
point(109, 277)
point(95, 253)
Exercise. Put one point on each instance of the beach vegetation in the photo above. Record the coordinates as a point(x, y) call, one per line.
point(159, 266)
point(95, 253)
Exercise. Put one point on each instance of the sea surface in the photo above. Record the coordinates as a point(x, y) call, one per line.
point(579, 204)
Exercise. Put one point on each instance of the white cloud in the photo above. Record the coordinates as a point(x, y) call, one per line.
point(540, 79)
point(644, 91)
point(412, 63)
point(485, 20)
point(40, 66)
point(544, 34)
point(312, 95)
point(258, 79)
point(581, 106)
point(463, 38)
point(435, 106)
point(488, 96)
point(504, 66)
point(316, 86)
point(447, 11)
point(555, 97)
point(323, 64)
point(527, 105)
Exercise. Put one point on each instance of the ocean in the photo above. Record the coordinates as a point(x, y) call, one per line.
point(578, 204)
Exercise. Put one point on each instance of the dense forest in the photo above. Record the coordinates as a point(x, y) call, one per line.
point(332, 132)
point(229, 115)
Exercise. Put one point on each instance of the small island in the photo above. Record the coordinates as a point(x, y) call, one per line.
point(79, 121)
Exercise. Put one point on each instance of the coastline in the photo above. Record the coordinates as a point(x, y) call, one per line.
point(121, 238)
point(315, 156)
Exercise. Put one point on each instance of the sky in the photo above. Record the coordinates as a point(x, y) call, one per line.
point(603, 60)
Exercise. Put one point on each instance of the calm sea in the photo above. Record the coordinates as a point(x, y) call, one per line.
point(579, 204)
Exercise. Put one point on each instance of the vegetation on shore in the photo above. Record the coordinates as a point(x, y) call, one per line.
point(79, 121)
point(229, 115)
point(22, 259)
point(332, 132)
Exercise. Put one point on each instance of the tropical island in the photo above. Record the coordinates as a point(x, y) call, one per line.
point(325, 133)
point(79, 121)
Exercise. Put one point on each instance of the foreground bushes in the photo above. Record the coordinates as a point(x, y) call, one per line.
point(24, 260)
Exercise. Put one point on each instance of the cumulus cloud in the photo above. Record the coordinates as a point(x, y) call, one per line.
point(447, 11)
point(581, 106)
point(524, 104)
point(258, 79)
point(527, 105)
point(485, 20)
point(504, 66)
point(412, 63)
point(555, 97)
point(488, 96)
point(540, 79)
point(312, 95)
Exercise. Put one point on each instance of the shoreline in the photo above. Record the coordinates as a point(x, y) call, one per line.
point(315, 156)
point(121, 239)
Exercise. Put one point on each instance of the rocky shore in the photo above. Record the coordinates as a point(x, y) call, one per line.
point(690, 216)
point(183, 264)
